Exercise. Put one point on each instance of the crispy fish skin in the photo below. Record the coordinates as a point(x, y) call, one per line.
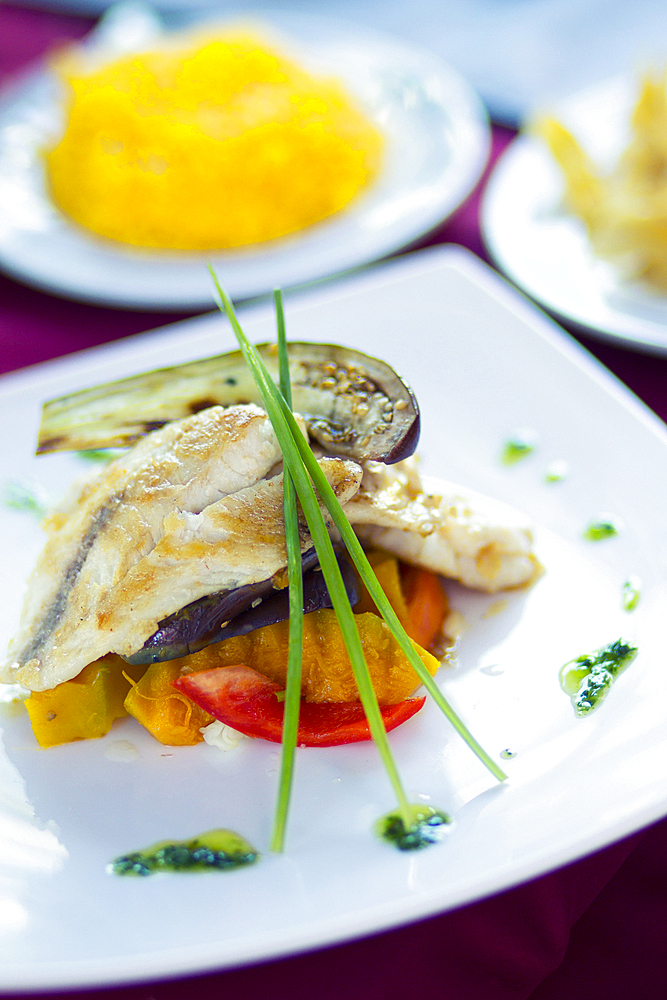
point(235, 541)
point(461, 535)
point(119, 518)
point(232, 543)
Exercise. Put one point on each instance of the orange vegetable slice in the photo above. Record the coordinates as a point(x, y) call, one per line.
point(246, 700)
point(83, 708)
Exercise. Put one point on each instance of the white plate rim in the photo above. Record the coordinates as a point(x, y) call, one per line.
point(383, 219)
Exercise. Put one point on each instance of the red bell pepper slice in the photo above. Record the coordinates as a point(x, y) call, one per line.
point(246, 700)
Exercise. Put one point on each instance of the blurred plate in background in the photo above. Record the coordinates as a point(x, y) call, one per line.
point(437, 141)
point(515, 53)
point(545, 250)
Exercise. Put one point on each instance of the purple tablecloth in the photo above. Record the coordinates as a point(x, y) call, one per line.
point(593, 929)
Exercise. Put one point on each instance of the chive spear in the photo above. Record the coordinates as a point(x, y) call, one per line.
point(295, 596)
point(358, 556)
point(303, 467)
point(325, 552)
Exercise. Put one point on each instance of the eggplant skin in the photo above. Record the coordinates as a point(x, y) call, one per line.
point(206, 621)
point(354, 405)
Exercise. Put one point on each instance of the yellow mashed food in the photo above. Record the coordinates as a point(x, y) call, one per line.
point(221, 144)
point(624, 209)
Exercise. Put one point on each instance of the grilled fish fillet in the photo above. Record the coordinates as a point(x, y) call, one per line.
point(465, 536)
point(196, 508)
point(153, 534)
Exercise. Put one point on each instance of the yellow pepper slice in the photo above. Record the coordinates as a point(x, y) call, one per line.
point(83, 708)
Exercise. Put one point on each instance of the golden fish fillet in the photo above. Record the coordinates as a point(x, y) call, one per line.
point(465, 536)
point(196, 508)
point(185, 513)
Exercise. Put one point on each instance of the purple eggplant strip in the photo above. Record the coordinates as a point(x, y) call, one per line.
point(238, 612)
point(353, 404)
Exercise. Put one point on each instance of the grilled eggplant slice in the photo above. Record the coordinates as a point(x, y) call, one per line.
point(353, 404)
point(251, 607)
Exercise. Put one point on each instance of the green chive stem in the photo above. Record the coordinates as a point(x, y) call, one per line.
point(355, 550)
point(277, 411)
point(295, 594)
point(358, 556)
point(283, 357)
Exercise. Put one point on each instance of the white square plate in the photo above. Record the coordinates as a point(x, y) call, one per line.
point(483, 363)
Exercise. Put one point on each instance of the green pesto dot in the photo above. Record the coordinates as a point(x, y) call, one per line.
point(588, 678)
point(556, 471)
point(631, 593)
point(428, 827)
point(601, 527)
point(18, 496)
point(217, 849)
point(518, 446)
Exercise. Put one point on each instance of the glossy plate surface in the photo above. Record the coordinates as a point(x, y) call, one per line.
point(437, 139)
point(545, 250)
point(483, 364)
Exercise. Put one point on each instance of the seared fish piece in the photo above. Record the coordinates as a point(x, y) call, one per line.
point(235, 541)
point(465, 536)
point(118, 519)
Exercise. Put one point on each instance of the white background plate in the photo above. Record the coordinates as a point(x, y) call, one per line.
point(437, 141)
point(516, 54)
point(482, 363)
point(545, 250)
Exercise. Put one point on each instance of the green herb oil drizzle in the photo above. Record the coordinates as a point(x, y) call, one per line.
point(217, 850)
point(556, 471)
point(588, 678)
point(631, 594)
point(428, 826)
point(18, 496)
point(601, 527)
point(518, 446)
